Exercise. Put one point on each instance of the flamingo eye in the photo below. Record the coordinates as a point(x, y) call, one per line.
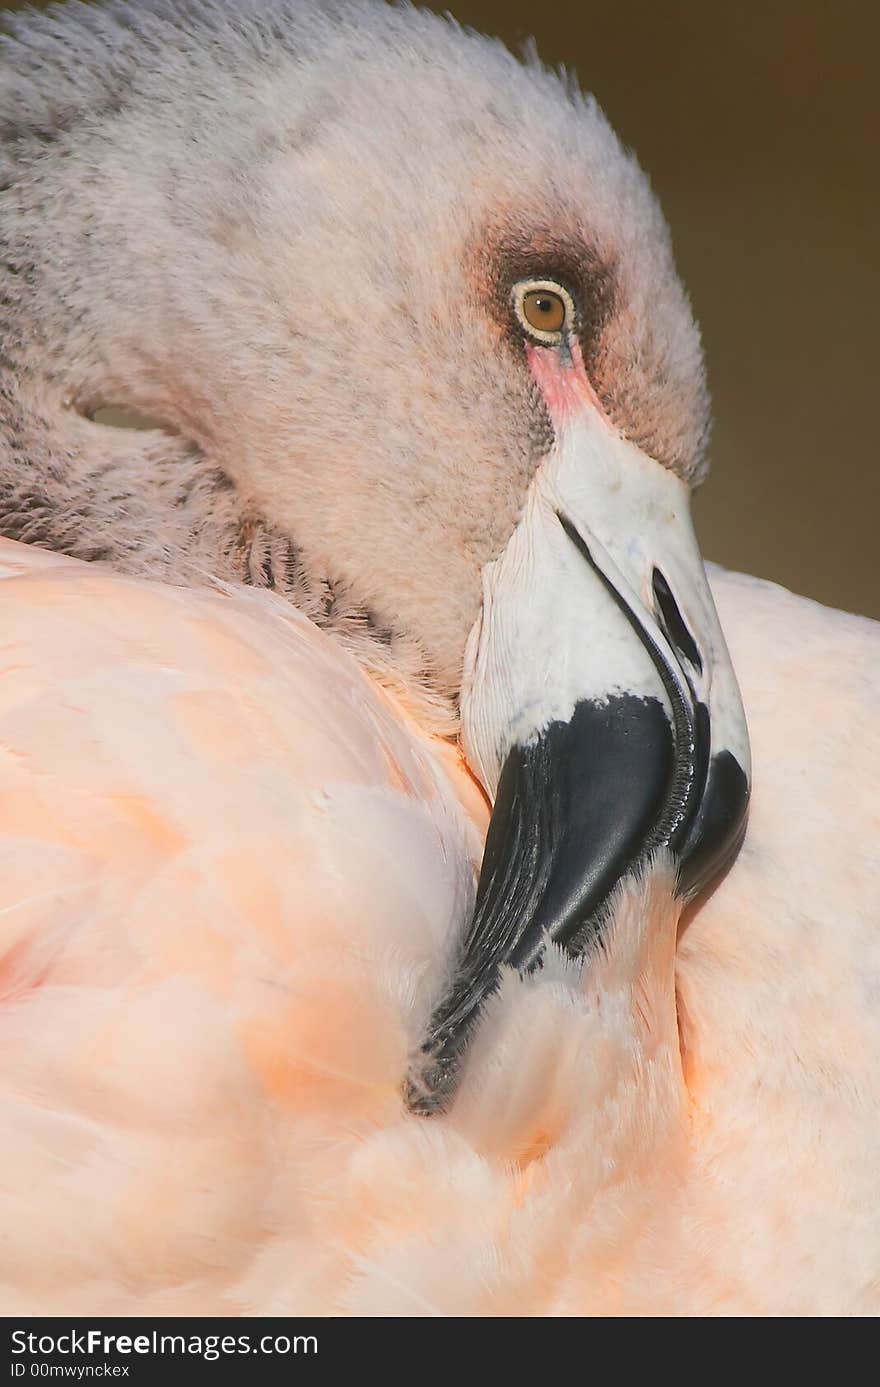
point(544, 309)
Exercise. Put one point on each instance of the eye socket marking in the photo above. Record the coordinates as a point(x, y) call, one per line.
point(544, 310)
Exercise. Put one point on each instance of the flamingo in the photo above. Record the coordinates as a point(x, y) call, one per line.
point(381, 931)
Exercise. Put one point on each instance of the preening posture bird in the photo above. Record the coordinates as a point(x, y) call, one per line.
point(407, 537)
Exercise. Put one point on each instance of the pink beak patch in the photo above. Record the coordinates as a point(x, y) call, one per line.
point(563, 384)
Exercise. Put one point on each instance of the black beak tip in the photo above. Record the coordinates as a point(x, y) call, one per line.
point(427, 1088)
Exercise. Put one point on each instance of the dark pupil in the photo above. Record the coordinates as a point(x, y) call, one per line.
point(544, 305)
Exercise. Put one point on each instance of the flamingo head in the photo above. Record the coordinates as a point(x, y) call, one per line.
point(417, 305)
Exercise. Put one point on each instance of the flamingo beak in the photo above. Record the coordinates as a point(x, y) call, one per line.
point(600, 711)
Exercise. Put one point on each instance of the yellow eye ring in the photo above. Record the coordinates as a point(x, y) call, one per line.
point(544, 309)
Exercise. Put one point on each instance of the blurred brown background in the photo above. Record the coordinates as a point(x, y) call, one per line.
point(759, 123)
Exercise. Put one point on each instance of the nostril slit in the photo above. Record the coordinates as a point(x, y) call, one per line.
point(122, 417)
point(674, 623)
